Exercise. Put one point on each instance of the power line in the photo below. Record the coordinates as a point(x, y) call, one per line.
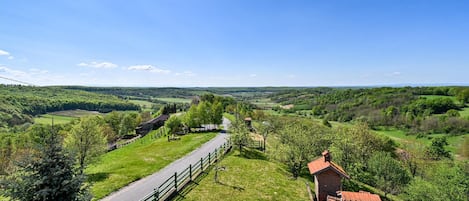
point(18, 81)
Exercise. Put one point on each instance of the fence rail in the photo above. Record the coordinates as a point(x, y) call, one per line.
point(177, 181)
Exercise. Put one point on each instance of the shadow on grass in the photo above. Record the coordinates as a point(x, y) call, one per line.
point(249, 153)
point(97, 177)
point(188, 188)
point(238, 188)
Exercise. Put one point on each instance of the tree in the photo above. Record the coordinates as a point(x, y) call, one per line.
point(128, 124)
point(217, 113)
point(191, 118)
point(240, 134)
point(436, 151)
point(48, 175)
point(86, 140)
point(173, 124)
point(389, 175)
point(443, 181)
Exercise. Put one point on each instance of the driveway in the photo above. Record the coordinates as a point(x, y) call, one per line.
point(139, 189)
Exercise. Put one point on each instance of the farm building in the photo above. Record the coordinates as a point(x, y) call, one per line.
point(153, 124)
point(328, 181)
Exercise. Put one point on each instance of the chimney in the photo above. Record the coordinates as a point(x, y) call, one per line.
point(326, 155)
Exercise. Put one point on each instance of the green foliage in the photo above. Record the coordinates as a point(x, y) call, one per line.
point(174, 123)
point(86, 140)
point(436, 151)
point(388, 173)
point(18, 103)
point(443, 181)
point(48, 175)
point(239, 134)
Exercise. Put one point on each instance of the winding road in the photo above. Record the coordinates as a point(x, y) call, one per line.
point(139, 189)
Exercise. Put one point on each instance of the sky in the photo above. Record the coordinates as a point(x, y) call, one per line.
point(226, 43)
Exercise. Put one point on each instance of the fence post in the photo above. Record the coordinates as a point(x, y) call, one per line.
point(209, 158)
point(216, 154)
point(190, 171)
point(176, 181)
point(202, 164)
point(156, 196)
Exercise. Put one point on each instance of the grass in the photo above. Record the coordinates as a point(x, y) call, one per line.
point(229, 116)
point(118, 168)
point(264, 103)
point(249, 177)
point(464, 112)
point(431, 97)
point(175, 100)
point(62, 117)
point(47, 119)
point(402, 139)
point(142, 103)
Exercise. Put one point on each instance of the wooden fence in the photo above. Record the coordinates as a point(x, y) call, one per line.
point(177, 181)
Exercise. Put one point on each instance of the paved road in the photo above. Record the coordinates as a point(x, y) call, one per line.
point(137, 190)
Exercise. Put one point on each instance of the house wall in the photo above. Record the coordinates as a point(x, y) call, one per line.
point(327, 183)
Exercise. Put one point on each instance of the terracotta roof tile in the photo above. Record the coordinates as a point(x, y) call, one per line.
point(320, 165)
point(358, 196)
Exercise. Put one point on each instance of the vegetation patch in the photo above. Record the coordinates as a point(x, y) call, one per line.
point(250, 176)
point(118, 168)
point(175, 100)
point(57, 119)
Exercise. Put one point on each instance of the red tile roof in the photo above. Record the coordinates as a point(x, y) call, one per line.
point(320, 165)
point(358, 196)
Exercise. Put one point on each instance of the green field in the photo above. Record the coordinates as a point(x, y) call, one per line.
point(402, 139)
point(264, 103)
point(464, 112)
point(175, 100)
point(431, 97)
point(250, 177)
point(47, 119)
point(143, 104)
point(62, 117)
point(118, 168)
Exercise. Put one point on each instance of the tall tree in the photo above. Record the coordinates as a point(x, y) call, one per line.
point(86, 140)
point(48, 175)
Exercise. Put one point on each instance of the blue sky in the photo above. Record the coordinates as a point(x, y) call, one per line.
point(234, 42)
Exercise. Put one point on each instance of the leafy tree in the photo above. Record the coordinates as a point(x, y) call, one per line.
point(86, 140)
point(389, 174)
point(191, 118)
point(239, 134)
point(173, 124)
point(217, 113)
point(48, 175)
point(444, 181)
point(463, 95)
point(128, 124)
point(436, 151)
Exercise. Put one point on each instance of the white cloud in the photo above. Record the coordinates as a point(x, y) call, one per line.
point(7, 54)
point(396, 73)
point(148, 68)
point(4, 53)
point(12, 72)
point(253, 75)
point(95, 64)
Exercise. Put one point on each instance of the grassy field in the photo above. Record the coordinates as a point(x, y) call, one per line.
point(175, 100)
point(431, 97)
point(402, 139)
point(62, 117)
point(47, 119)
point(249, 177)
point(264, 103)
point(143, 104)
point(118, 168)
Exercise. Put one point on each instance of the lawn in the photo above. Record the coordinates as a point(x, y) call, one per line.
point(118, 168)
point(175, 100)
point(249, 177)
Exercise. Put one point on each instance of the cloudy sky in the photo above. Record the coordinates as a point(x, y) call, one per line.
point(234, 42)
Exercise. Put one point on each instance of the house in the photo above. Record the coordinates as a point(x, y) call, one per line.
point(328, 182)
point(327, 176)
